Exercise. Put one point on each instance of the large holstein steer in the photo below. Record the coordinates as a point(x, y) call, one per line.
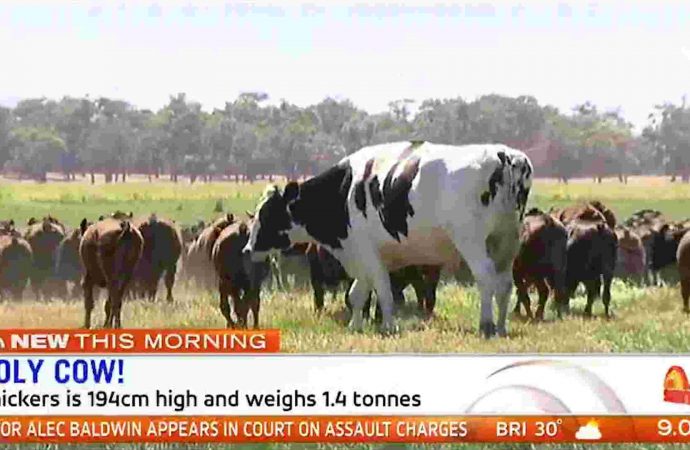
point(394, 205)
point(109, 251)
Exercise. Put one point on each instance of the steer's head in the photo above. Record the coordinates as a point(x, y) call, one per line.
point(272, 224)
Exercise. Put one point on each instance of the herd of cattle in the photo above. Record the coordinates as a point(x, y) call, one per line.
point(557, 250)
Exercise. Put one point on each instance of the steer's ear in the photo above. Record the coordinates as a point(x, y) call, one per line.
point(83, 225)
point(31, 221)
point(291, 191)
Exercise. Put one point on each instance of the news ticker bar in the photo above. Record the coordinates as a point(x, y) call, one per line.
point(346, 429)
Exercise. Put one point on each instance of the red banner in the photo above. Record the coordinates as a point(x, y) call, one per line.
point(345, 429)
point(150, 341)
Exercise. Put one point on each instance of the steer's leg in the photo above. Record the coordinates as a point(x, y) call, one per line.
point(356, 297)
point(504, 284)
point(384, 296)
point(474, 252)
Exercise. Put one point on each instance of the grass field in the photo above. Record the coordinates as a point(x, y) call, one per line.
point(646, 320)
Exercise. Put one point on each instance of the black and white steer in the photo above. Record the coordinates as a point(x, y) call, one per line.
point(394, 205)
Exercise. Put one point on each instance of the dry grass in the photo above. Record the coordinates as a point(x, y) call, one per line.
point(646, 320)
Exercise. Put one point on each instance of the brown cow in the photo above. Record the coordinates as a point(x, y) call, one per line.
point(665, 249)
point(647, 224)
point(238, 277)
point(67, 262)
point(683, 262)
point(327, 273)
point(15, 264)
point(541, 262)
point(44, 237)
point(592, 253)
point(162, 250)
point(109, 251)
point(631, 260)
point(593, 210)
point(198, 266)
point(191, 232)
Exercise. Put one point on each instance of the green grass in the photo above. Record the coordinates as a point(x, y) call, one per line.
point(646, 320)
point(72, 201)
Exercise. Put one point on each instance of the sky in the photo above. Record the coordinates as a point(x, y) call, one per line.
point(627, 55)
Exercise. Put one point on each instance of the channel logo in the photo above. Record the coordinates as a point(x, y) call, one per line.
point(676, 386)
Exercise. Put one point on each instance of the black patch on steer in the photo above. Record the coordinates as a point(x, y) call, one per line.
point(360, 189)
point(495, 179)
point(375, 191)
point(321, 206)
point(275, 222)
point(485, 198)
point(392, 201)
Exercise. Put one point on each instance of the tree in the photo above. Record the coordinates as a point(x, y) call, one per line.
point(36, 150)
point(5, 135)
point(74, 123)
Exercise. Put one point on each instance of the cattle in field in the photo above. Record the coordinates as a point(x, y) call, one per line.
point(683, 263)
point(631, 261)
point(198, 267)
point(326, 273)
point(646, 224)
point(665, 242)
point(290, 267)
point(424, 281)
point(162, 250)
point(68, 266)
point(109, 252)
point(592, 252)
point(191, 232)
point(15, 264)
point(44, 237)
point(7, 228)
point(591, 210)
point(541, 262)
point(238, 277)
point(393, 205)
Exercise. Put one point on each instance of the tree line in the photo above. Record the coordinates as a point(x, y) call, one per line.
point(251, 138)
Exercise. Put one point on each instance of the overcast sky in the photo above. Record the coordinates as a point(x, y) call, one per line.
point(627, 54)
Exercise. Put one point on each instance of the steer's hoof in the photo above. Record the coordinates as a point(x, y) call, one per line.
point(389, 329)
point(354, 326)
point(686, 310)
point(487, 329)
point(502, 332)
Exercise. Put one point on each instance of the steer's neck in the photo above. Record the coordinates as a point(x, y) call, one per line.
point(322, 208)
